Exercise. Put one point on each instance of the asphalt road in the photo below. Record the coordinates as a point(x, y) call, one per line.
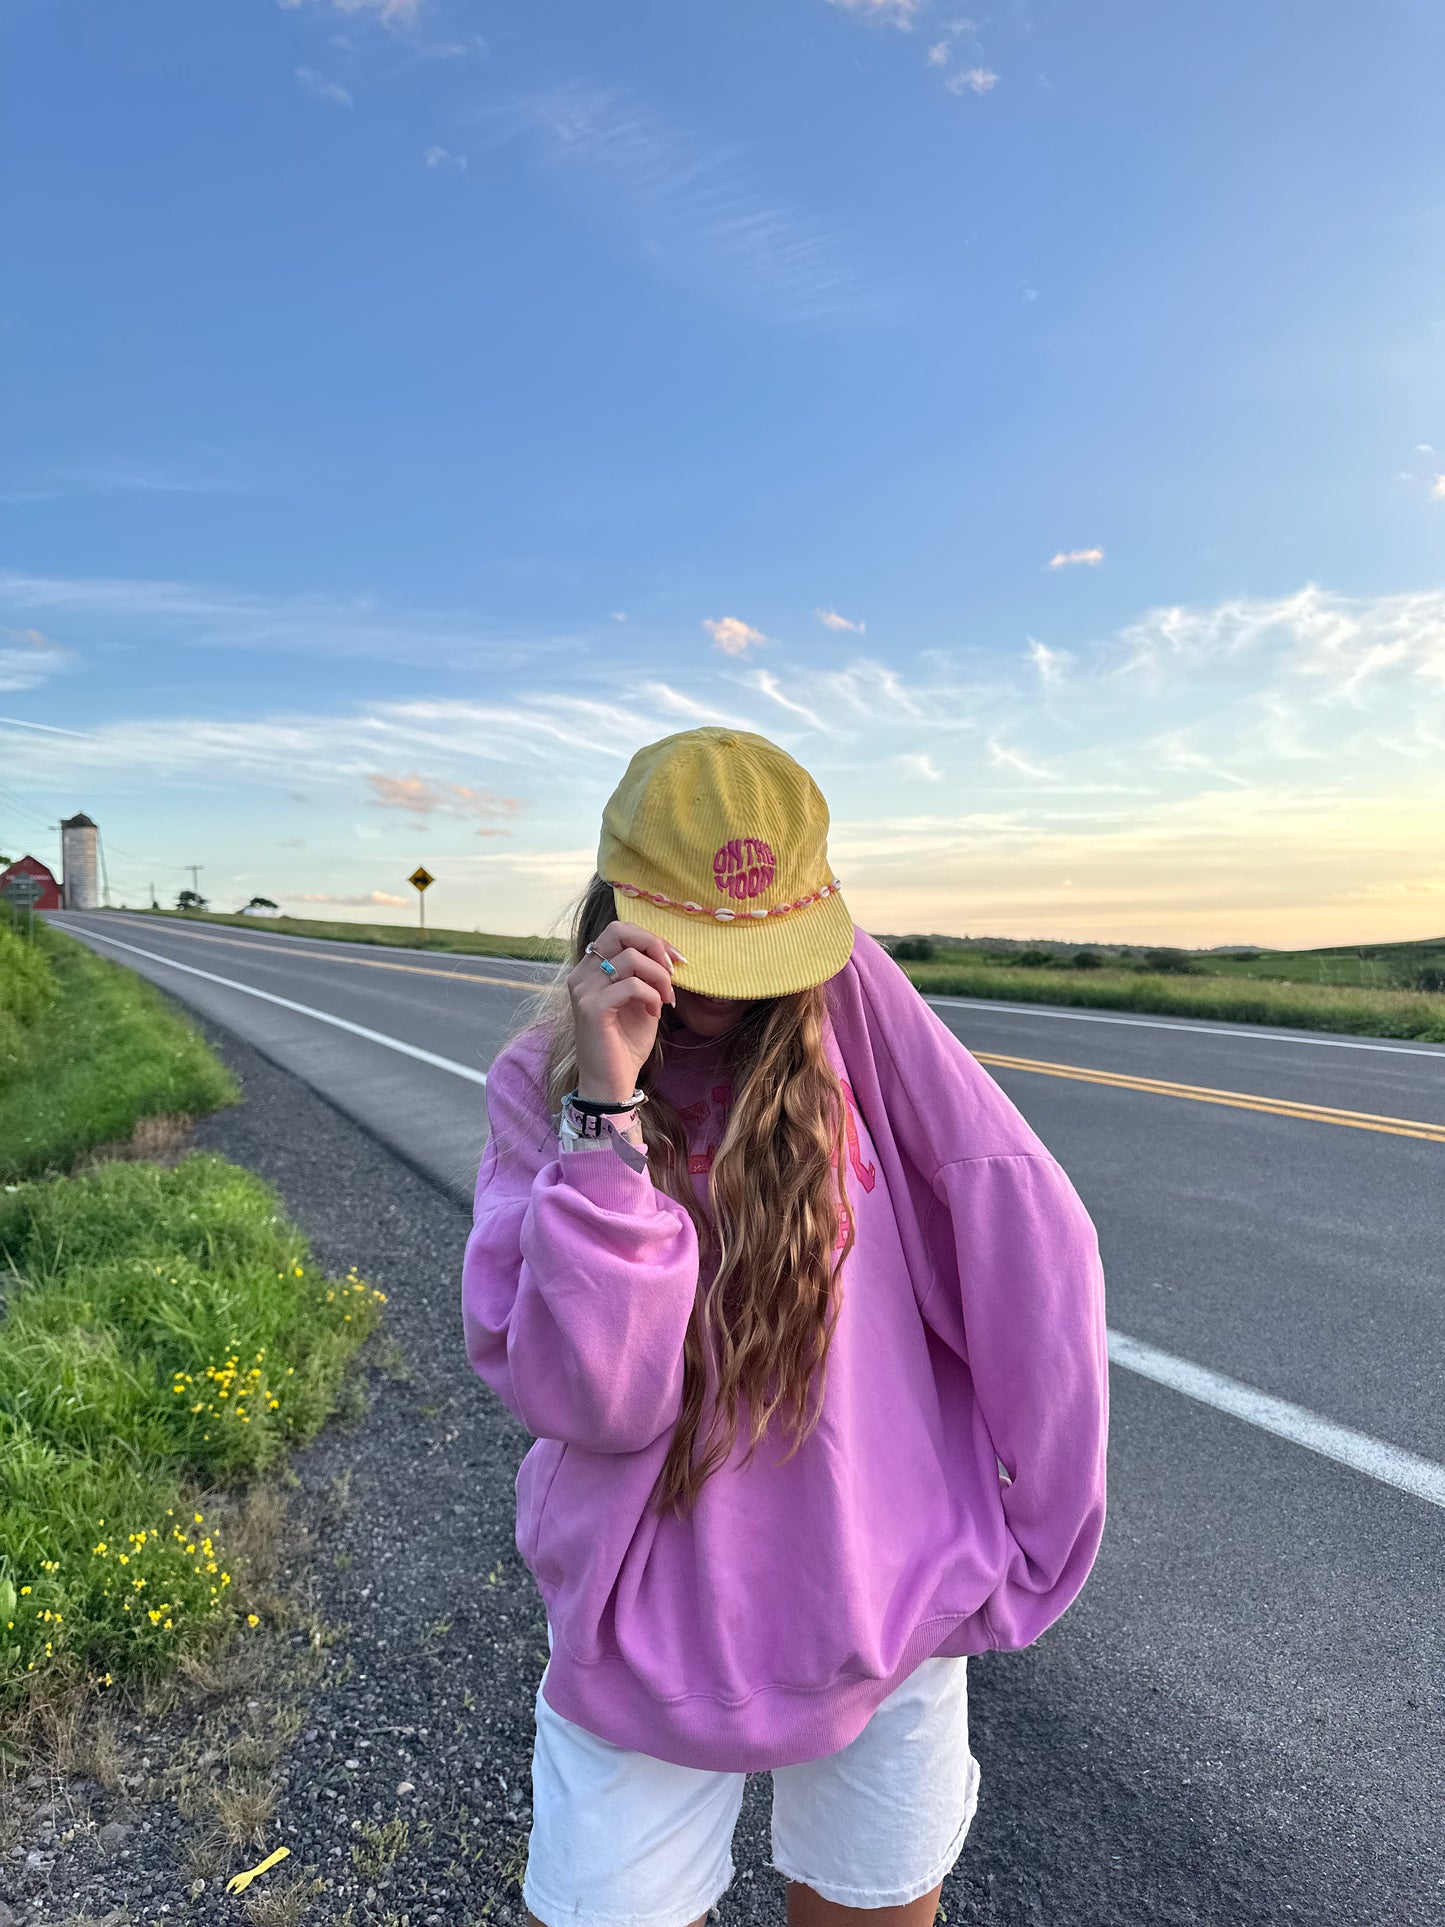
point(1257, 1660)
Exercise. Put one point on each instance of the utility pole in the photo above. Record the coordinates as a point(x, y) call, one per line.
point(195, 870)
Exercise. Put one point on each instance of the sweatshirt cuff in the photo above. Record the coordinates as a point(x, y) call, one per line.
point(602, 1177)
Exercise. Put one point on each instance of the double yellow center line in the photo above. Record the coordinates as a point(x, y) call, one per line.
point(1237, 1100)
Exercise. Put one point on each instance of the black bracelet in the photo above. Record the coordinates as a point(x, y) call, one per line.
point(595, 1107)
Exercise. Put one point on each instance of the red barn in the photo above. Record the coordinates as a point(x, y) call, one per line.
point(17, 893)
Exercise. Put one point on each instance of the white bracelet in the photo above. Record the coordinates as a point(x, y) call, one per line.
point(571, 1140)
point(634, 1155)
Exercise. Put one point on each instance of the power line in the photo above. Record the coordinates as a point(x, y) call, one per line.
point(160, 862)
point(18, 803)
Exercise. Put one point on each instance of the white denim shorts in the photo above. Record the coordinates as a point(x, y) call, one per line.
point(620, 1839)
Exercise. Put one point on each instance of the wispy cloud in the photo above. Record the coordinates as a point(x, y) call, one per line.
point(207, 616)
point(420, 797)
point(1437, 489)
point(1339, 644)
point(115, 477)
point(698, 212)
point(27, 658)
point(830, 619)
point(972, 80)
point(939, 54)
point(767, 682)
point(320, 88)
point(895, 13)
point(436, 156)
point(378, 899)
point(391, 13)
point(1004, 756)
point(453, 49)
point(45, 729)
point(921, 765)
point(734, 636)
point(1051, 664)
point(1073, 558)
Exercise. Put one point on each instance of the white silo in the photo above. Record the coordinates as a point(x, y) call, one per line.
point(77, 859)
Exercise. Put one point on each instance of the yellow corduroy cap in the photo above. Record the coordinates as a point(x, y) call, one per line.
point(718, 841)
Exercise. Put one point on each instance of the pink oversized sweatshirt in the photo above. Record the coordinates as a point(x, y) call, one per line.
point(763, 1628)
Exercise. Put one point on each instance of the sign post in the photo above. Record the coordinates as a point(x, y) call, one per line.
point(25, 893)
point(421, 879)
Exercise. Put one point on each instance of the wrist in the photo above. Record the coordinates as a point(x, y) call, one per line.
point(604, 1090)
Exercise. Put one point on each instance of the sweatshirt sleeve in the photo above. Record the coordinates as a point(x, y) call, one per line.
point(1018, 1294)
point(578, 1281)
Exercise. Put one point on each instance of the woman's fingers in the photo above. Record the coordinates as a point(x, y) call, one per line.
point(631, 936)
point(635, 990)
point(628, 962)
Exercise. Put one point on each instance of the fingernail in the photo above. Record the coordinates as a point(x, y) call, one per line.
point(677, 954)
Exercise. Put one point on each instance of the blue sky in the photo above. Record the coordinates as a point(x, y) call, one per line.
point(1032, 416)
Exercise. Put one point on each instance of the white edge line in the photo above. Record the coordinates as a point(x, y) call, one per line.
point(259, 933)
point(1390, 1464)
point(1253, 1035)
point(304, 1010)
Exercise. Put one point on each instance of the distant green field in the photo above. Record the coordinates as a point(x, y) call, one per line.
point(1243, 1000)
point(1363, 967)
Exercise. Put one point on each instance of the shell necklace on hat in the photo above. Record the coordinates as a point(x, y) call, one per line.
point(721, 915)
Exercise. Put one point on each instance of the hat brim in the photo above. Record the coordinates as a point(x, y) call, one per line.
point(751, 956)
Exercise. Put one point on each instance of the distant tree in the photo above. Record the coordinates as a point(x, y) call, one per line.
point(262, 903)
point(1242, 956)
point(1087, 960)
point(1416, 973)
point(1033, 959)
point(190, 900)
point(913, 950)
point(1171, 962)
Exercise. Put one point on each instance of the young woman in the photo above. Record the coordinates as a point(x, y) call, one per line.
point(809, 1329)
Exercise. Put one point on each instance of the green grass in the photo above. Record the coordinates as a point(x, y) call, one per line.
point(165, 1334)
point(469, 943)
point(102, 1053)
point(1296, 1006)
point(27, 991)
point(164, 1339)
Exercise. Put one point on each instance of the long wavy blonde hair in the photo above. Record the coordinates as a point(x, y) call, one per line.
point(778, 1199)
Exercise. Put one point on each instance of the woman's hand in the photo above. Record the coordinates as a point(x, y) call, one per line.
point(617, 1017)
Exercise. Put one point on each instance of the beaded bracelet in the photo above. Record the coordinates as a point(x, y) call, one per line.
point(603, 1107)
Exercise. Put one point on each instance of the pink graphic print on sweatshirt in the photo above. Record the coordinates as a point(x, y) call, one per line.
point(700, 1163)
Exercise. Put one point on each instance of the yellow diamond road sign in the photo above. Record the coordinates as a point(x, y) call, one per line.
point(421, 877)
